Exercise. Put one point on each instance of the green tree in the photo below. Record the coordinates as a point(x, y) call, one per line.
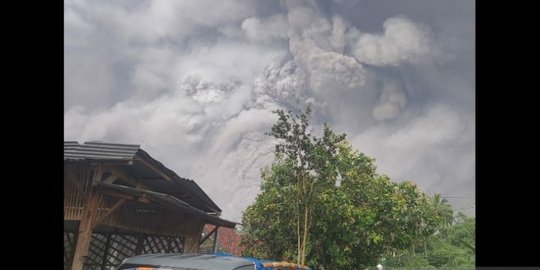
point(450, 247)
point(453, 246)
point(442, 209)
point(269, 223)
point(311, 160)
point(322, 203)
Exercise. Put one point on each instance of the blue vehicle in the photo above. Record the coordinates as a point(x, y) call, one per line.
point(218, 261)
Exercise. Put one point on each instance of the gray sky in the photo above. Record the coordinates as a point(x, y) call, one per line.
point(194, 82)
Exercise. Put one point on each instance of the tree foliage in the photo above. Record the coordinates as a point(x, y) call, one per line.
point(452, 247)
point(322, 203)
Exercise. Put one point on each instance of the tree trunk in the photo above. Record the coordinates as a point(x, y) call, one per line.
point(298, 231)
point(298, 234)
point(304, 240)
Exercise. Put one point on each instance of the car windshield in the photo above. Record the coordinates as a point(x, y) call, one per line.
point(212, 267)
point(144, 267)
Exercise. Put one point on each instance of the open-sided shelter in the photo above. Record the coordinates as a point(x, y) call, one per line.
point(120, 202)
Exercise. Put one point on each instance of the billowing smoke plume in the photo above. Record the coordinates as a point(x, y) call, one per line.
point(402, 41)
point(195, 82)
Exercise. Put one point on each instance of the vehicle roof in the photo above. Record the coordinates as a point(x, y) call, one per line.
point(190, 261)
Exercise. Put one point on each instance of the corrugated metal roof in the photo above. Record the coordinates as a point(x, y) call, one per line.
point(170, 201)
point(111, 151)
point(188, 184)
point(99, 150)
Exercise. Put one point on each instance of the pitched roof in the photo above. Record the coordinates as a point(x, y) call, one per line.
point(98, 150)
point(168, 201)
point(138, 164)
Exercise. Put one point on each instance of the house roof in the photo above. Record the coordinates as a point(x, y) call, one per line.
point(98, 150)
point(131, 160)
point(168, 202)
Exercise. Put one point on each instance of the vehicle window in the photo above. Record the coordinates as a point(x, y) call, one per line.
point(141, 267)
point(247, 267)
point(144, 267)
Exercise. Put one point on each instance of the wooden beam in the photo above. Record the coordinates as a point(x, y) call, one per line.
point(156, 170)
point(216, 239)
point(113, 208)
point(207, 236)
point(110, 179)
point(142, 199)
point(98, 175)
point(112, 162)
point(126, 177)
point(85, 227)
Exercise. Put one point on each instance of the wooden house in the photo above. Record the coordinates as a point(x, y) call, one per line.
point(120, 202)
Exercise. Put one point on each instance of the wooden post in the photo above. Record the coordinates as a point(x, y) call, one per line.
point(85, 227)
point(106, 252)
point(169, 245)
point(140, 244)
point(71, 252)
point(206, 237)
point(216, 239)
